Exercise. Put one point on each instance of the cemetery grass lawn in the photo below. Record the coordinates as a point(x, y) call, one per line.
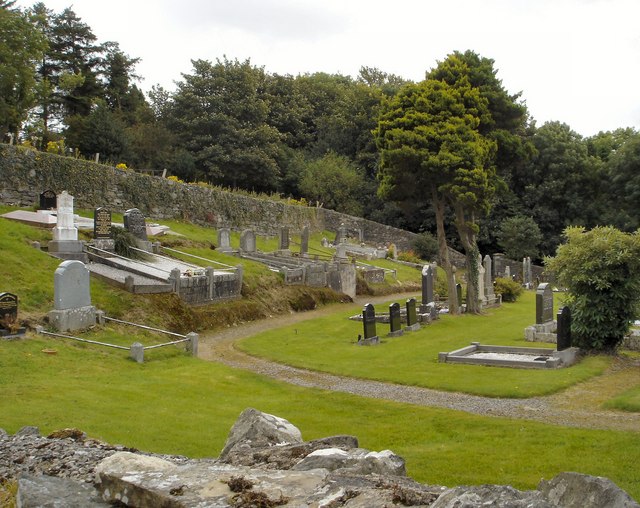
point(328, 344)
point(627, 401)
point(177, 404)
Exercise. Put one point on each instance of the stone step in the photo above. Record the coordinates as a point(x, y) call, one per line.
point(117, 276)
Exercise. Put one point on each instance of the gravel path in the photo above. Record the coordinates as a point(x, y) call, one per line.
point(579, 406)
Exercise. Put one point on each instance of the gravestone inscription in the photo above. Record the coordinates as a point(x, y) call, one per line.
point(102, 223)
point(544, 303)
point(134, 223)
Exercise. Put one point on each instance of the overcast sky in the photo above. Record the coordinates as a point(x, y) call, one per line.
point(575, 61)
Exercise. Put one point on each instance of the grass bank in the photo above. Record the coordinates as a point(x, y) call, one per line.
point(177, 404)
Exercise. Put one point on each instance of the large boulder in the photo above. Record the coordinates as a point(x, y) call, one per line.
point(575, 490)
point(255, 429)
point(494, 496)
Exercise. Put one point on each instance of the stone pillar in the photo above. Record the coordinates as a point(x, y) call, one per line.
point(192, 345)
point(304, 241)
point(136, 352)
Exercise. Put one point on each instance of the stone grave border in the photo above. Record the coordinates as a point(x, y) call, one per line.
point(136, 350)
point(553, 359)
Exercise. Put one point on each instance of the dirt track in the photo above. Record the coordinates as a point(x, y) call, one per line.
point(578, 406)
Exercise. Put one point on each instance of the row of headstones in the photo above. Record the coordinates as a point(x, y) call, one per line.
point(248, 240)
point(395, 321)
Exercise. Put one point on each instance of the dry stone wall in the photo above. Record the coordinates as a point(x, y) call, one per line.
point(24, 174)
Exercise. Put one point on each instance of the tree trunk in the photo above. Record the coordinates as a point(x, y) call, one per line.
point(467, 236)
point(443, 251)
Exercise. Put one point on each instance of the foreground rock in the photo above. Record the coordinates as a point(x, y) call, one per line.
point(264, 463)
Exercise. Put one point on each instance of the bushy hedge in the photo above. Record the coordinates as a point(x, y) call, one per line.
point(509, 289)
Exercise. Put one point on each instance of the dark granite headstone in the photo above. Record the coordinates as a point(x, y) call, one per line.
point(369, 321)
point(134, 223)
point(459, 293)
point(544, 303)
point(102, 223)
point(8, 312)
point(394, 317)
point(412, 316)
point(427, 284)
point(48, 200)
point(564, 329)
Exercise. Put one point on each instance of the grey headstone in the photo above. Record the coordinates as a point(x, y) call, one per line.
point(563, 329)
point(224, 240)
point(102, 223)
point(394, 317)
point(134, 223)
point(304, 240)
point(427, 284)
point(412, 316)
point(283, 238)
point(488, 275)
point(248, 241)
point(544, 303)
point(71, 286)
point(369, 321)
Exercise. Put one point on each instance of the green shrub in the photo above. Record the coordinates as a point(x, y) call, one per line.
point(409, 256)
point(509, 289)
point(601, 271)
point(125, 243)
point(426, 246)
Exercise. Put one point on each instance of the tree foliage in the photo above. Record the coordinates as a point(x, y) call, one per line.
point(600, 269)
point(519, 236)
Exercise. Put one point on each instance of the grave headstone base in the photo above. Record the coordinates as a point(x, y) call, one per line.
point(431, 309)
point(68, 320)
point(10, 334)
point(371, 341)
point(144, 245)
point(397, 333)
point(412, 328)
point(544, 332)
point(107, 244)
point(68, 249)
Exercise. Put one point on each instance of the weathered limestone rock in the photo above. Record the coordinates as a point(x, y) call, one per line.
point(355, 461)
point(575, 490)
point(490, 496)
point(255, 429)
point(258, 471)
point(51, 492)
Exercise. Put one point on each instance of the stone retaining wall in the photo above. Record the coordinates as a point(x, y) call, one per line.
point(24, 174)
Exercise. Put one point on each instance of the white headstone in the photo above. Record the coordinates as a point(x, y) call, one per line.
point(71, 286)
point(65, 230)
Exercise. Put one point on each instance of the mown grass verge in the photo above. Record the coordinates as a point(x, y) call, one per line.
point(177, 404)
point(329, 344)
